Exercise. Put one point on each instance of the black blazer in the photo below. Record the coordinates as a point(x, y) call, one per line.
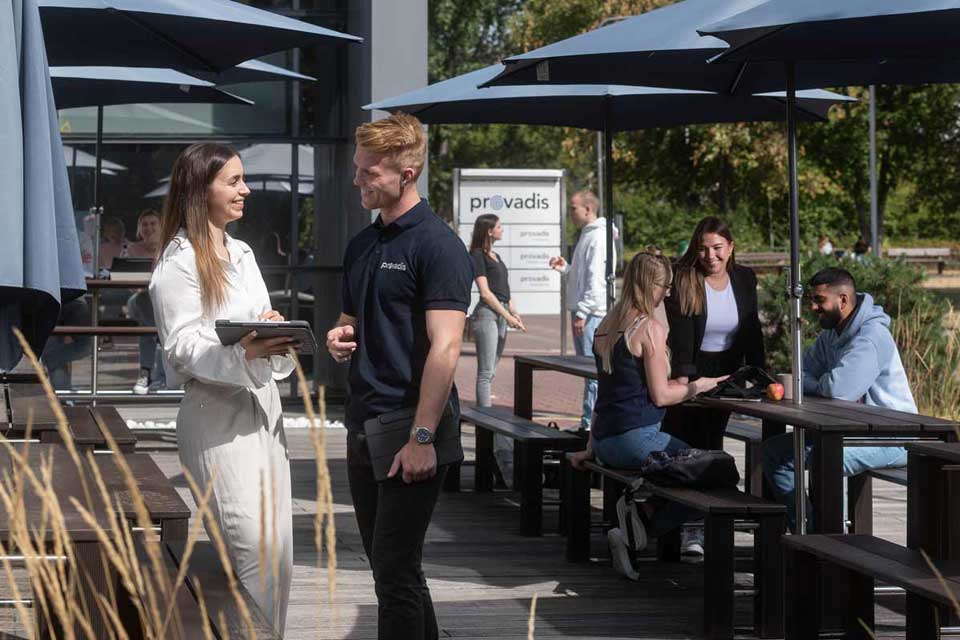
point(686, 332)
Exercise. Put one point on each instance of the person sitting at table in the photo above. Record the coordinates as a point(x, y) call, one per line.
point(714, 330)
point(634, 386)
point(140, 308)
point(854, 358)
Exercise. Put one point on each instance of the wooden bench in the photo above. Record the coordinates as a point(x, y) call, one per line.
point(764, 261)
point(721, 508)
point(928, 256)
point(86, 425)
point(206, 576)
point(532, 440)
point(865, 559)
point(860, 496)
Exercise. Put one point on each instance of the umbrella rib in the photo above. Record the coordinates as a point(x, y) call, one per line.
point(722, 57)
point(736, 81)
point(159, 34)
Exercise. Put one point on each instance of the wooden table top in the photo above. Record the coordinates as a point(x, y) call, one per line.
point(583, 366)
point(947, 451)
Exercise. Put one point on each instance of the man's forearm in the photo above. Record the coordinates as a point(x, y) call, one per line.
point(435, 385)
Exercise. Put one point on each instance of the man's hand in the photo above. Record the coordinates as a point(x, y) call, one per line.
point(416, 461)
point(341, 342)
point(578, 325)
point(557, 263)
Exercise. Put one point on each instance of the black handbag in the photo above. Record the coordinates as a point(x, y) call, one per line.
point(699, 468)
point(746, 383)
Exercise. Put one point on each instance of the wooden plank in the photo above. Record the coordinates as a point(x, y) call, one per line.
point(109, 421)
point(159, 495)
point(206, 569)
point(581, 366)
point(882, 559)
point(502, 421)
point(83, 428)
point(806, 416)
point(897, 476)
point(946, 451)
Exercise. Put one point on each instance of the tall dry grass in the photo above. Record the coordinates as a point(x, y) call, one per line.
point(65, 602)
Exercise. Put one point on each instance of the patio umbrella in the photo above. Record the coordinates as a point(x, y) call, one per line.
point(41, 267)
point(211, 35)
point(283, 186)
point(606, 108)
point(77, 159)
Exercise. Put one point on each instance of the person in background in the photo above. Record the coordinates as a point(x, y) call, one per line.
point(854, 358)
point(114, 243)
point(586, 285)
point(490, 318)
point(824, 246)
point(714, 330)
point(140, 307)
point(861, 248)
point(230, 425)
point(633, 363)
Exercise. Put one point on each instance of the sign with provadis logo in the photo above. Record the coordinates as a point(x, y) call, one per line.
point(530, 204)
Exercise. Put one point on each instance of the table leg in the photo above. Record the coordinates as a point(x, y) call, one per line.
point(577, 497)
point(171, 529)
point(826, 499)
point(718, 569)
point(768, 576)
point(801, 595)
point(924, 504)
point(523, 389)
point(531, 489)
point(483, 472)
point(860, 503)
point(769, 429)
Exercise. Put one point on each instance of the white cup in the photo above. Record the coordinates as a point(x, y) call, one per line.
point(786, 380)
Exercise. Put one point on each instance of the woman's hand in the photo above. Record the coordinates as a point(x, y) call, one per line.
point(577, 459)
point(266, 347)
point(514, 322)
point(271, 316)
point(702, 385)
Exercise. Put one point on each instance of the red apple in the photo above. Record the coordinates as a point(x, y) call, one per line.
point(775, 391)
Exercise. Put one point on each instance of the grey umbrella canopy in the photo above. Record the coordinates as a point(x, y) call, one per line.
point(41, 267)
point(101, 86)
point(209, 35)
point(608, 108)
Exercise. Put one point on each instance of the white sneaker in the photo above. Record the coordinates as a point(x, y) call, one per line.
point(142, 385)
point(691, 544)
point(620, 554)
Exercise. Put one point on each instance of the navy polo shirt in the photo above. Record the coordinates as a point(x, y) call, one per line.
point(394, 274)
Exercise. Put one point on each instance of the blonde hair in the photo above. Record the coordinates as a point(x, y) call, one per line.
point(644, 272)
point(589, 199)
point(186, 207)
point(399, 139)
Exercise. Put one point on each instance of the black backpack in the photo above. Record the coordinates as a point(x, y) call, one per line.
point(699, 468)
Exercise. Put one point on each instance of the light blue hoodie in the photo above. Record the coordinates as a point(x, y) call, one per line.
point(860, 362)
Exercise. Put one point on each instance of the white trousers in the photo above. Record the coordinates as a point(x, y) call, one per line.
point(224, 438)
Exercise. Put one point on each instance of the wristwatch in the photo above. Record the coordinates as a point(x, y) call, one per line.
point(422, 435)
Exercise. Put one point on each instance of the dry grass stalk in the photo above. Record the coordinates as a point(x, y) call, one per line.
point(324, 520)
point(942, 581)
point(262, 546)
point(532, 620)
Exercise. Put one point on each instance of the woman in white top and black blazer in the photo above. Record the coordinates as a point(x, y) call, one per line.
point(714, 326)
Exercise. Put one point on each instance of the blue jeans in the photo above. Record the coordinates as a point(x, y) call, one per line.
point(629, 450)
point(778, 467)
point(583, 345)
point(140, 308)
point(490, 336)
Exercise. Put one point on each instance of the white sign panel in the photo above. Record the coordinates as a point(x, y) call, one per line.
point(531, 207)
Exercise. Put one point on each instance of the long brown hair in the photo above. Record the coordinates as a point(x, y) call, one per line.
point(644, 272)
point(481, 232)
point(185, 207)
point(689, 285)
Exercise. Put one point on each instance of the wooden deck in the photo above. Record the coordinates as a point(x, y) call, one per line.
point(483, 574)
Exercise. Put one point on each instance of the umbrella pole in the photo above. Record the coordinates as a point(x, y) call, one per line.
point(796, 293)
point(98, 162)
point(608, 201)
point(874, 216)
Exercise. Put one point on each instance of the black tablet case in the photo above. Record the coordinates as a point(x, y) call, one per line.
point(230, 334)
point(387, 433)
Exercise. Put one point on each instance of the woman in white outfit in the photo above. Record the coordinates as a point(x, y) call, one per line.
point(230, 425)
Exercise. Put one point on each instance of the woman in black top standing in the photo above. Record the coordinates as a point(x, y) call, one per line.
point(490, 319)
point(714, 326)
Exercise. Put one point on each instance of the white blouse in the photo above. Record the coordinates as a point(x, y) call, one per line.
point(723, 320)
point(191, 349)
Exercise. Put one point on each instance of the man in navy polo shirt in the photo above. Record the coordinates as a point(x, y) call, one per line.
point(406, 291)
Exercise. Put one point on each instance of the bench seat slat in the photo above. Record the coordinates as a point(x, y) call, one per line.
point(517, 427)
point(883, 560)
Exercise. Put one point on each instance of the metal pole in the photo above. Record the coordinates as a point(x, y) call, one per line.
point(796, 293)
point(874, 211)
point(600, 171)
point(608, 200)
point(97, 210)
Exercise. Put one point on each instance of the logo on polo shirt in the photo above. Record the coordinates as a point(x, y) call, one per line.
point(393, 266)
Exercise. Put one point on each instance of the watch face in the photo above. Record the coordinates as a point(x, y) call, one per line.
point(423, 435)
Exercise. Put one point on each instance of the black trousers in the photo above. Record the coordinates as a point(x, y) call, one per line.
point(393, 518)
point(702, 427)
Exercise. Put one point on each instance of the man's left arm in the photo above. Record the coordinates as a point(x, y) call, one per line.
point(445, 331)
point(853, 375)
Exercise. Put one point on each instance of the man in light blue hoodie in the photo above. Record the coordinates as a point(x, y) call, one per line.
point(854, 358)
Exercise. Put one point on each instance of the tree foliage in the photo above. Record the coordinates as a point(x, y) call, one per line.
point(664, 180)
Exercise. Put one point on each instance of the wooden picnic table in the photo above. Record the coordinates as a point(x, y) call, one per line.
point(525, 365)
point(166, 509)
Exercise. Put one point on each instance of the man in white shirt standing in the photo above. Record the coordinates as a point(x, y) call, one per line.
point(586, 286)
